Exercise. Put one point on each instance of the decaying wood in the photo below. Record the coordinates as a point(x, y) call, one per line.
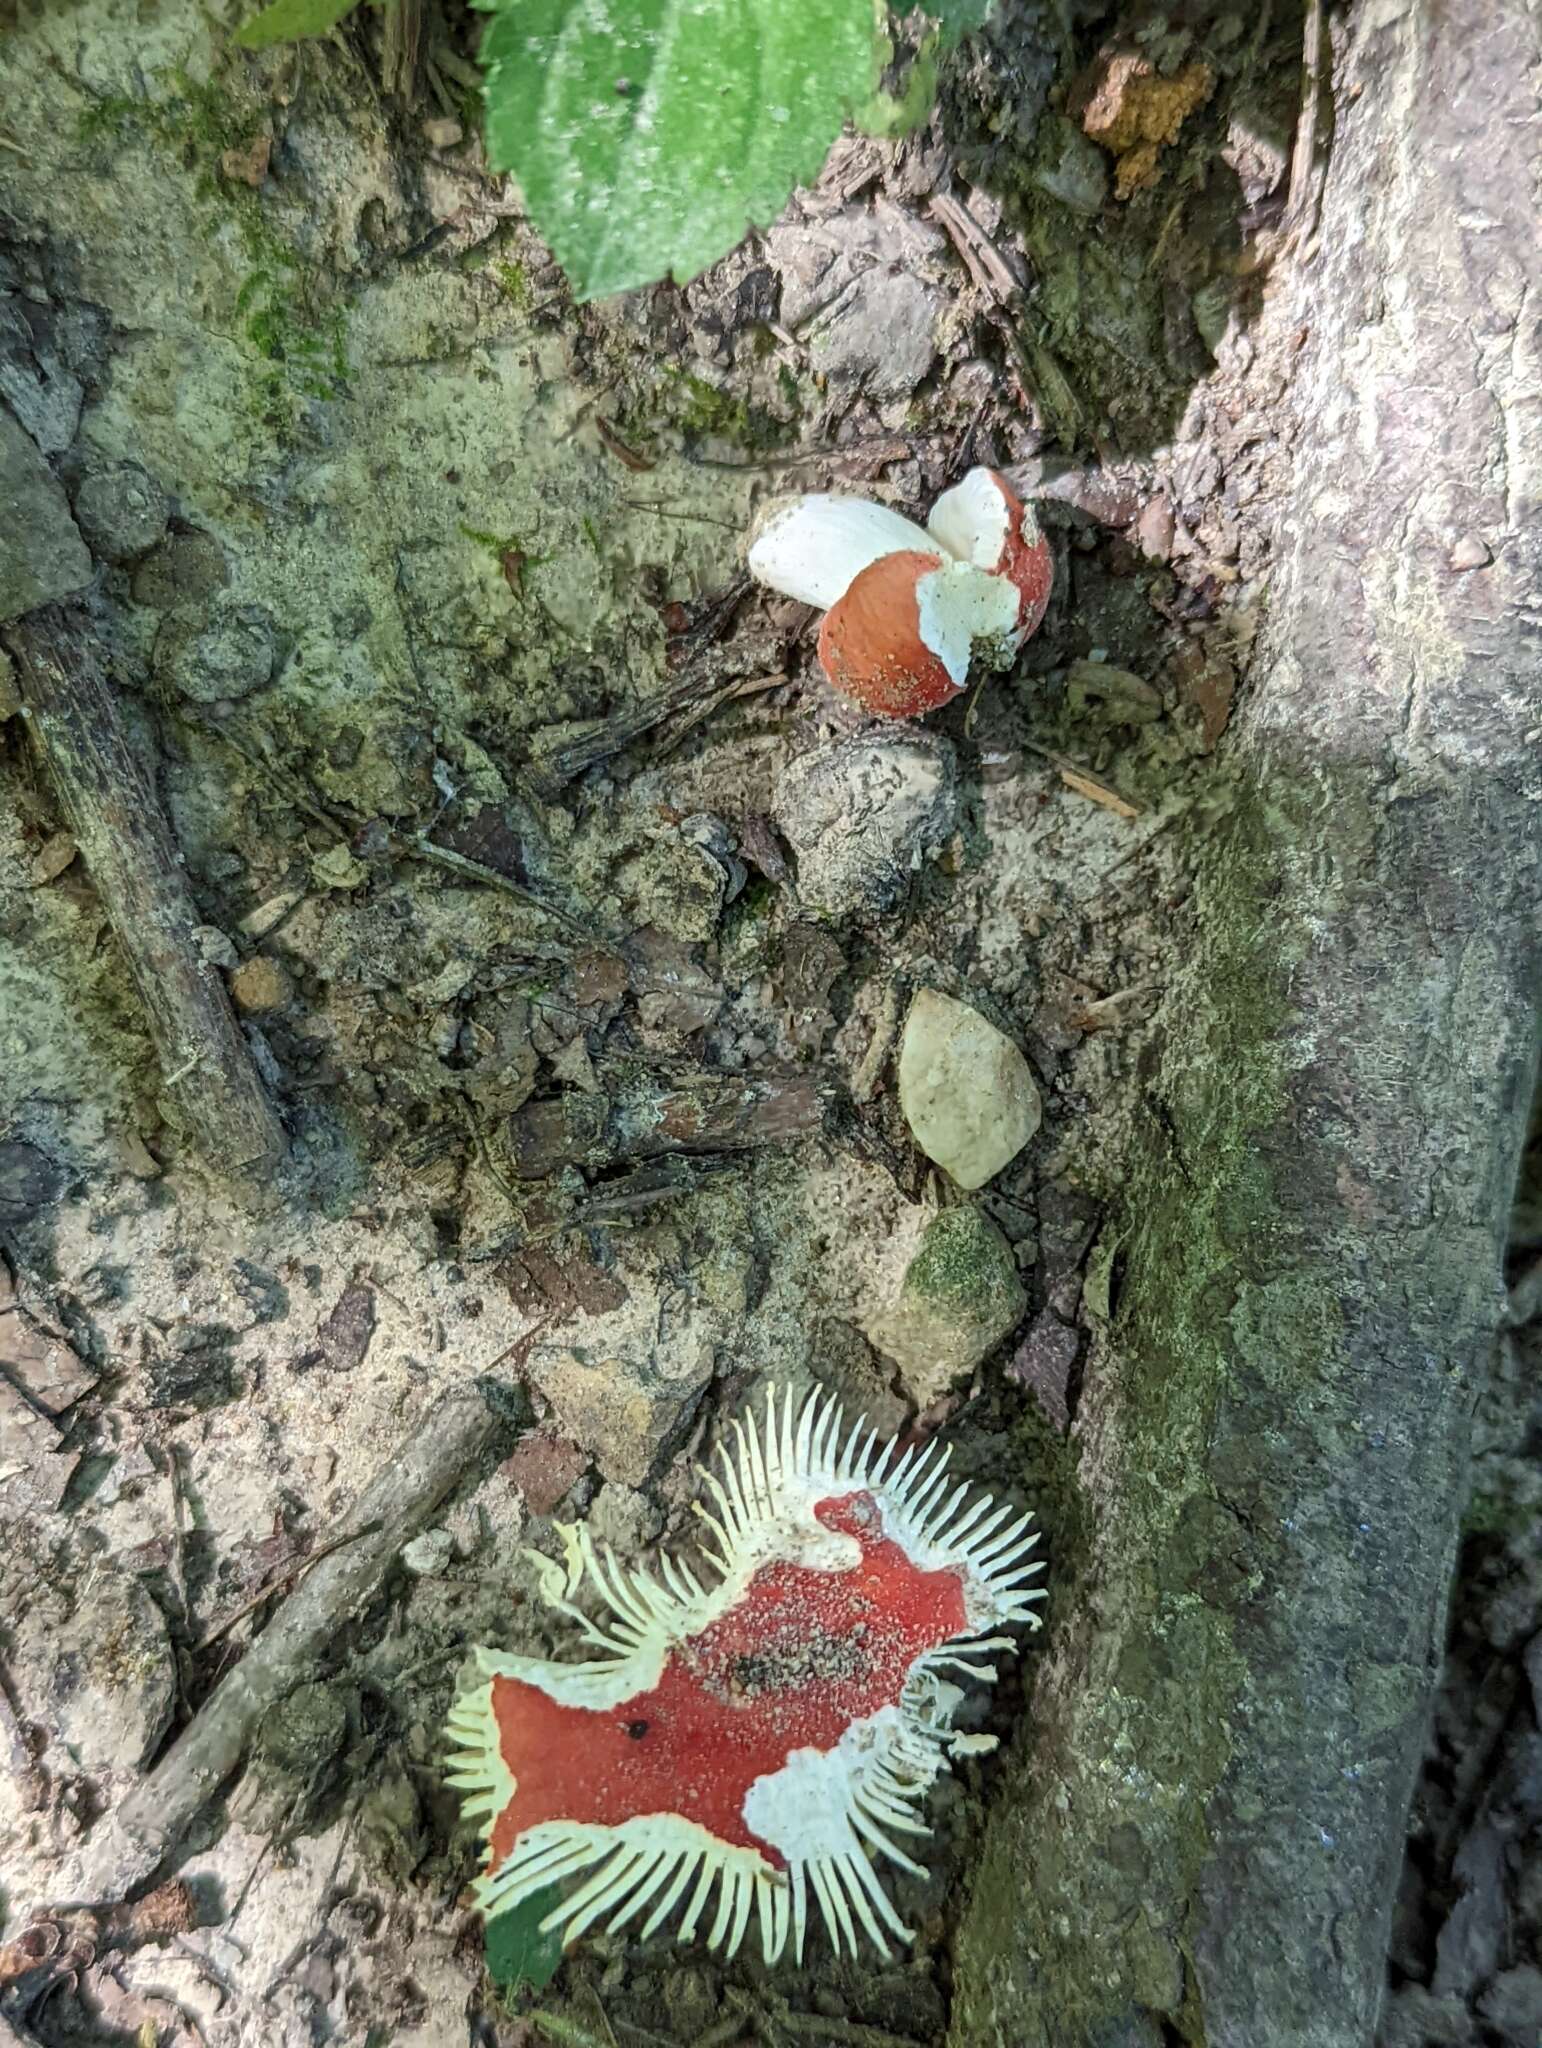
point(1207, 1824)
point(130, 1843)
point(115, 814)
point(560, 753)
point(61, 1945)
point(648, 1118)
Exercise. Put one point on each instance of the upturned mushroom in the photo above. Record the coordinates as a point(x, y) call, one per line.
point(762, 1736)
point(908, 609)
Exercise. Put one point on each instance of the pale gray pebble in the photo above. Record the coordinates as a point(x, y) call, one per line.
point(227, 652)
point(122, 511)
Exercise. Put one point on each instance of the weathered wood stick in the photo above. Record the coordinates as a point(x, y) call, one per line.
point(559, 753)
point(130, 1844)
point(648, 1118)
point(116, 817)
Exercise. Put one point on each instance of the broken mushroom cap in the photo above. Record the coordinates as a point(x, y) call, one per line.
point(760, 1734)
point(814, 548)
point(982, 520)
point(901, 638)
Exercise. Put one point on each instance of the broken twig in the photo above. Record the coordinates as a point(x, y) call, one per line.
point(131, 1842)
point(647, 1119)
point(115, 815)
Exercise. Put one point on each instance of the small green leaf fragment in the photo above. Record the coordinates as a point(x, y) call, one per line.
point(517, 1951)
point(287, 20)
point(645, 147)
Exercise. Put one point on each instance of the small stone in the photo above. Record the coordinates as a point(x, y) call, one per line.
point(227, 652)
point(248, 163)
point(53, 857)
point(1154, 529)
point(35, 1468)
point(29, 1181)
point(965, 1089)
point(43, 556)
point(215, 948)
point(37, 379)
point(122, 511)
point(1042, 1363)
point(105, 1685)
point(1068, 167)
point(1122, 697)
point(269, 915)
point(261, 984)
point(1470, 553)
point(1513, 2004)
point(44, 1367)
point(443, 132)
point(574, 1068)
point(428, 1554)
point(337, 868)
point(625, 1405)
point(881, 333)
point(861, 816)
point(184, 569)
point(960, 1296)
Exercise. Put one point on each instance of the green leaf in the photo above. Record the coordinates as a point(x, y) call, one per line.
point(517, 1951)
point(647, 134)
point(286, 20)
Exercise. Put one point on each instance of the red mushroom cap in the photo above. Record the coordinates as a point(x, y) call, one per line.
point(900, 640)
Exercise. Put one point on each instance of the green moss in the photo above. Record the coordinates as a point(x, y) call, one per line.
point(499, 544)
point(964, 1264)
point(1141, 1741)
point(296, 330)
point(514, 284)
point(199, 119)
point(702, 410)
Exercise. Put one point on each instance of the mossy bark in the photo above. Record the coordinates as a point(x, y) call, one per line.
point(1205, 1820)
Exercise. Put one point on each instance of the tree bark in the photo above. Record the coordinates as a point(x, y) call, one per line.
point(1206, 1819)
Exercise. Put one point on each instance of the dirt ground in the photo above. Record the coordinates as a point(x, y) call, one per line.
point(498, 788)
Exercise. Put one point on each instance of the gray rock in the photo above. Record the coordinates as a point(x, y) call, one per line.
point(881, 333)
point(862, 815)
point(43, 557)
point(35, 380)
point(960, 1296)
point(104, 1685)
point(1069, 167)
point(228, 651)
point(29, 1180)
point(122, 511)
point(1513, 2004)
point(624, 1398)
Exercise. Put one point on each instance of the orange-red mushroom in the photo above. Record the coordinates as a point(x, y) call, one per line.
point(909, 608)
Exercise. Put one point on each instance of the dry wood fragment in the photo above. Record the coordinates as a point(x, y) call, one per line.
point(982, 259)
point(560, 753)
point(129, 1844)
point(115, 815)
point(648, 1118)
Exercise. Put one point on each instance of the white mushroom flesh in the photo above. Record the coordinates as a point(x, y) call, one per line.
point(971, 522)
point(814, 548)
point(964, 611)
